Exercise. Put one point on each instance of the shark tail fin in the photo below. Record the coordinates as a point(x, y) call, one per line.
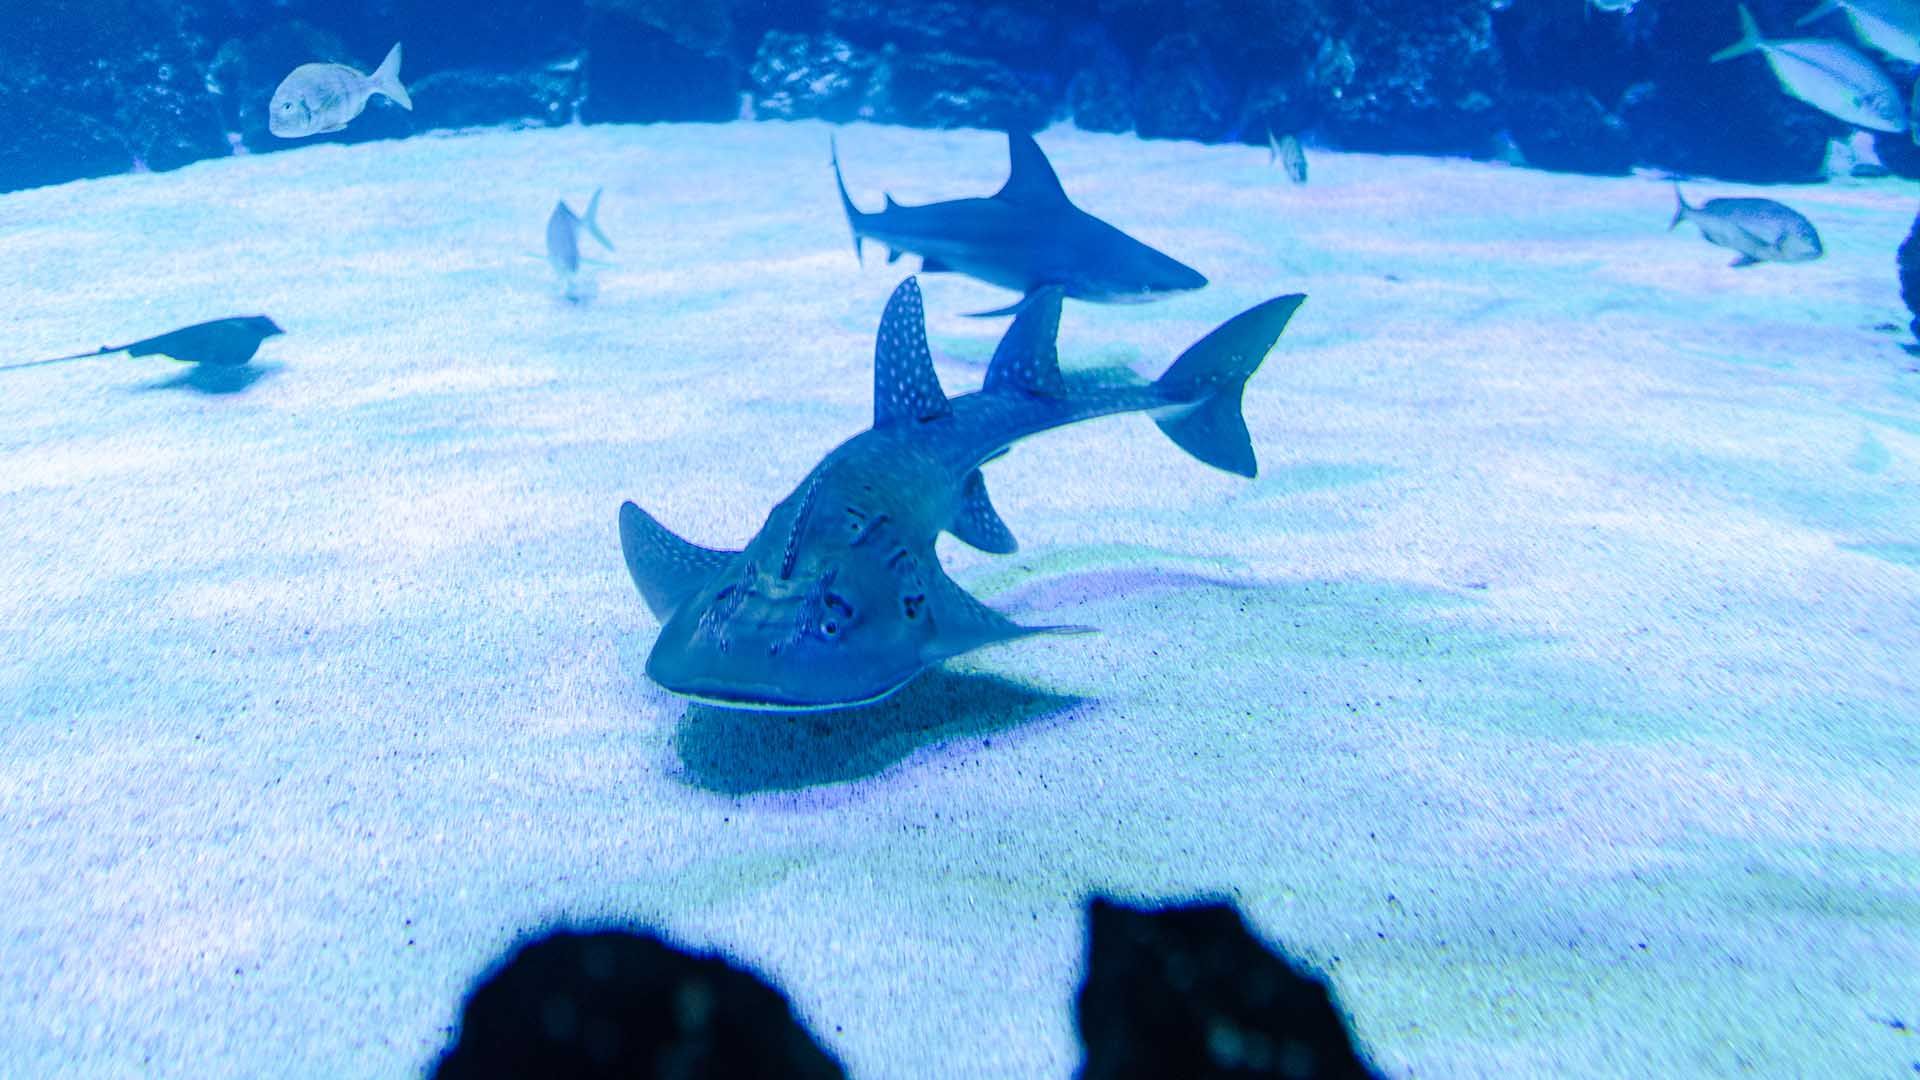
point(665, 568)
point(386, 79)
point(846, 202)
point(1205, 385)
point(1750, 39)
point(592, 220)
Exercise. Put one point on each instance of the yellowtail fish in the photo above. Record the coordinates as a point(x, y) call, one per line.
point(1891, 26)
point(318, 98)
point(1829, 75)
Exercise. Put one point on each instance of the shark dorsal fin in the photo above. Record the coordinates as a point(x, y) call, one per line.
point(905, 388)
point(1031, 181)
point(665, 568)
point(1027, 359)
point(978, 523)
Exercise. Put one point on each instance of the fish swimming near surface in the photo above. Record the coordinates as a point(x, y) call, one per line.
point(1891, 26)
point(319, 98)
point(1290, 154)
point(563, 238)
point(1761, 230)
point(1027, 237)
point(1831, 76)
point(839, 599)
point(226, 343)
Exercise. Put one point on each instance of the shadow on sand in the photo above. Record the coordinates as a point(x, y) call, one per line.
point(209, 379)
point(735, 752)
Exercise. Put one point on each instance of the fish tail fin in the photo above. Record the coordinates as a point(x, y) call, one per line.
point(1750, 39)
point(1826, 8)
point(1204, 386)
point(1680, 210)
point(846, 202)
point(592, 220)
point(386, 79)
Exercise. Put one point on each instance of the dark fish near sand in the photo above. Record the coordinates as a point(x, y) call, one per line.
point(225, 343)
point(1831, 76)
point(1761, 230)
point(319, 98)
point(839, 599)
point(1027, 237)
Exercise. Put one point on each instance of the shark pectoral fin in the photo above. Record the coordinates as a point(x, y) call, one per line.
point(1014, 308)
point(1027, 359)
point(929, 265)
point(665, 568)
point(1030, 178)
point(905, 388)
point(1743, 260)
point(978, 523)
point(963, 624)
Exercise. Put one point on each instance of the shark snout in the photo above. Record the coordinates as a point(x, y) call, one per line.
point(1177, 276)
point(777, 648)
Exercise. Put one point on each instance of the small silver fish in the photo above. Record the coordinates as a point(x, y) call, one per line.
point(1829, 75)
point(563, 238)
point(1290, 154)
point(318, 98)
point(1891, 26)
point(1619, 7)
point(1761, 230)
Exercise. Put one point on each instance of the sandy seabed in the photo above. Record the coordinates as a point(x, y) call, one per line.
point(1553, 690)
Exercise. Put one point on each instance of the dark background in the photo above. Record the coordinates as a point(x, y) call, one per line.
point(94, 87)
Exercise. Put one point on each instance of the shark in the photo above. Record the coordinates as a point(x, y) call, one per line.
point(839, 599)
point(1027, 237)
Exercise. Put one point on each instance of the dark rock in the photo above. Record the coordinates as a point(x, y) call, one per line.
point(1024, 35)
point(1260, 41)
point(456, 99)
point(699, 26)
point(1650, 69)
point(1180, 94)
point(942, 90)
point(1412, 79)
point(1910, 275)
point(639, 73)
point(49, 143)
point(1100, 92)
point(132, 67)
point(617, 1004)
point(1189, 992)
point(1283, 108)
point(1719, 123)
point(1568, 131)
point(499, 34)
point(1898, 153)
point(1553, 48)
point(806, 75)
